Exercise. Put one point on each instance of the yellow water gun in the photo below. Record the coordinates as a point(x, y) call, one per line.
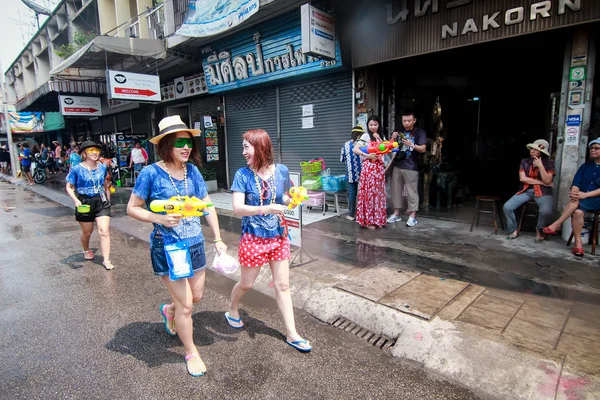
point(298, 195)
point(185, 205)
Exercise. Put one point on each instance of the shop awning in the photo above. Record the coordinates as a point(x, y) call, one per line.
point(92, 60)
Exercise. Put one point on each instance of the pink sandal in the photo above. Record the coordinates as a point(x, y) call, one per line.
point(168, 327)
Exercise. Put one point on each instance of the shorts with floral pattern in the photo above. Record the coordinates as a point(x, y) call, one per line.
point(255, 251)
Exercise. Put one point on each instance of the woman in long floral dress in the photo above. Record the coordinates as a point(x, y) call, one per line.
point(370, 208)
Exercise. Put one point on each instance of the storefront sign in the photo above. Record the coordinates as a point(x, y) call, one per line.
point(242, 61)
point(207, 18)
point(571, 135)
point(130, 86)
point(294, 216)
point(394, 29)
point(318, 32)
point(573, 120)
point(211, 138)
point(80, 106)
point(184, 87)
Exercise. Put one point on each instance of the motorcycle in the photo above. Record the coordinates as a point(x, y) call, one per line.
point(38, 170)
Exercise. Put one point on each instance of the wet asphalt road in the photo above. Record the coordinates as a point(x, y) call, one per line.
point(70, 329)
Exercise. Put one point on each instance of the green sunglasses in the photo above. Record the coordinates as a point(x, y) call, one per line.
point(181, 142)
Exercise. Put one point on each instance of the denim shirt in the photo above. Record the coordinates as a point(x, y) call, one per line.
point(263, 226)
point(153, 183)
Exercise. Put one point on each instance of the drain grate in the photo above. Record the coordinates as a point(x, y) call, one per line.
point(381, 341)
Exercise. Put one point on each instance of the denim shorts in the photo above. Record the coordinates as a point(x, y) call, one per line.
point(159, 258)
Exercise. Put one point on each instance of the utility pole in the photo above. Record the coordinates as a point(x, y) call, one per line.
point(11, 148)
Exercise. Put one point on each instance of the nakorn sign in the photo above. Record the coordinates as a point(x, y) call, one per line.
point(402, 28)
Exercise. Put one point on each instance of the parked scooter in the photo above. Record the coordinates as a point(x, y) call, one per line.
point(38, 170)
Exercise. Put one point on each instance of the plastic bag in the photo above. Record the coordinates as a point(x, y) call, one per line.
point(225, 264)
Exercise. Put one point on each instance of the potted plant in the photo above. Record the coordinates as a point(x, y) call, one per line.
point(126, 177)
point(210, 177)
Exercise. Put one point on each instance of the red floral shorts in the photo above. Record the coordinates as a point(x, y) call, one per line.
point(256, 252)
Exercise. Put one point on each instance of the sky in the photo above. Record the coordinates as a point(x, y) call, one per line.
point(17, 27)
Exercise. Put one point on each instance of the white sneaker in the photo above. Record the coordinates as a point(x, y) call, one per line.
point(393, 218)
point(411, 221)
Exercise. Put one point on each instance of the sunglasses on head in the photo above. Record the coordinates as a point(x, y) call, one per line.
point(92, 150)
point(181, 142)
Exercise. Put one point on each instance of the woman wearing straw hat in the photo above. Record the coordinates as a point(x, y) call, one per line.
point(536, 174)
point(177, 243)
point(584, 197)
point(87, 186)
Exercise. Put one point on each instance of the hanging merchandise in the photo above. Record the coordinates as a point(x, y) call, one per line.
point(212, 139)
point(437, 109)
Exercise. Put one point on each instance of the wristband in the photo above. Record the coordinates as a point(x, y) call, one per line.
point(217, 240)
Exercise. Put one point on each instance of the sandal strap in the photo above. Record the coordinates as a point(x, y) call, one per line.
point(189, 357)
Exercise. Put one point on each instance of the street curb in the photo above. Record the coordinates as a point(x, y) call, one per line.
point(454, 350)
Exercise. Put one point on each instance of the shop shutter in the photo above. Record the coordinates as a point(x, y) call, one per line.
point(96, 126)
point(108, 124)
point(123, 122)
point(331, 99)
point(141, 122)
point(244, 111)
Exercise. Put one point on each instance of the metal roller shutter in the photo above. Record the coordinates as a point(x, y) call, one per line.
point(108, 124)
point(331, 98)
point(123, 122)
point(244, 111)
point(96, 126)
point(141, 122)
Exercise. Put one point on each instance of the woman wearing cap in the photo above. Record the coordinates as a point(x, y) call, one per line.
point(259, 197)
point(584, 197)
point(173, 234)
point(536, 174)
point(87, 185)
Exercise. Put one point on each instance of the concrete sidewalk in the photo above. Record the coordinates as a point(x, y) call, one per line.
point(507, 319)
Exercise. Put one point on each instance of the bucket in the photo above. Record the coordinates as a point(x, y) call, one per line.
point(567, 228)
point(83, 209)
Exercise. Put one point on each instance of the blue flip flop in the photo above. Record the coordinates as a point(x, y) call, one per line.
point(231, 321)
point(296, 344)
point(166, 320)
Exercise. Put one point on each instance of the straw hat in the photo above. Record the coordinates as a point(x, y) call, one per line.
point(170, 125)
point(540, 145)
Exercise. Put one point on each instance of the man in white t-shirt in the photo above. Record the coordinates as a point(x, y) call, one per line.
point(139, 157)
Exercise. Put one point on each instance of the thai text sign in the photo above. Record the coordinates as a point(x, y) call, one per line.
point(250, 58)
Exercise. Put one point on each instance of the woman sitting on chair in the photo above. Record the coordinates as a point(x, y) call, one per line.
point(536, 175)
point(585, 196)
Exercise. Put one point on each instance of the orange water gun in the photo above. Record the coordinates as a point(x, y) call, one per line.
point(384, 147)
point(298, 195)
point(187, 206)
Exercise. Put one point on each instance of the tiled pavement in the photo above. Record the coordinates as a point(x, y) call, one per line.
point(563, 328)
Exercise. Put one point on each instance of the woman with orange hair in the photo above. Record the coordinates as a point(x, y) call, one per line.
point(259, 197)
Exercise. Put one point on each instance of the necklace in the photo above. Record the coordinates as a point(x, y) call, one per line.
point(271, 184)
point(97, 187)
point(185, 184)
